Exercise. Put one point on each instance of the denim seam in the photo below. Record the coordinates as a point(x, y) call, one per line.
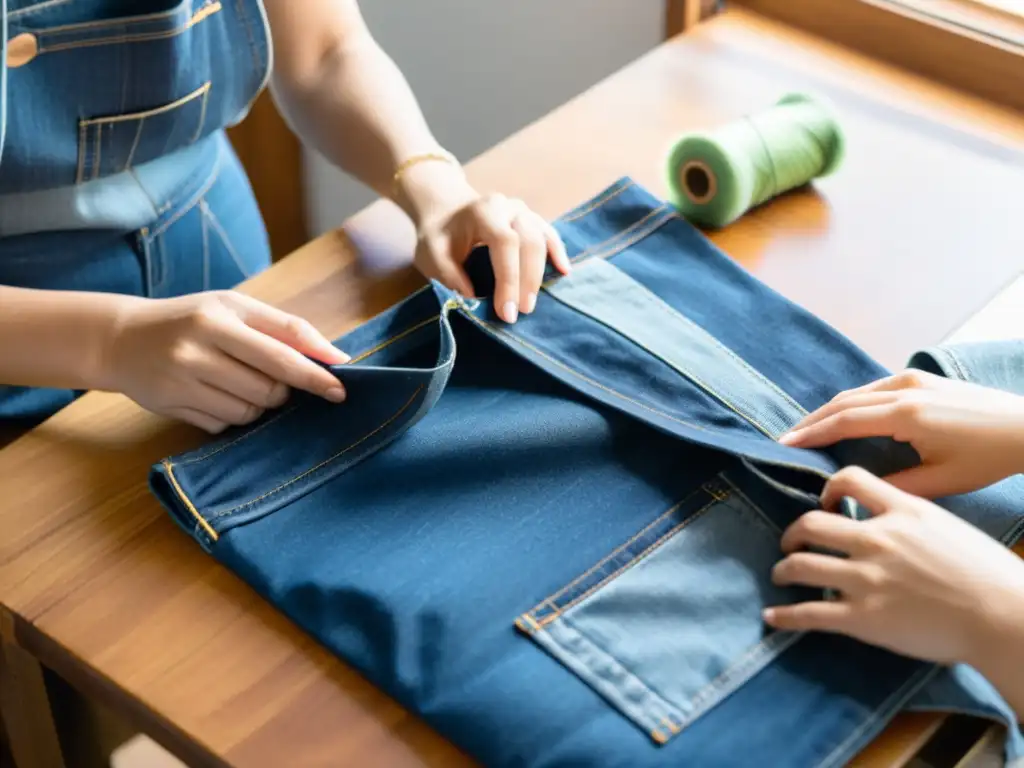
point(673, 709)
point(97, 24)
point(552, 599)
point(240, 438)
point(598, 202)
point(739, 360)
point(571, 659)
point(22, 12)
point(169, 466)
point(324, 463)
point(650, 549)
point(141, 37)
point(635, 232)
point(214, 222)
point(891, 704)
point(765, 650)
point(192, 202)
point(188, 98)
point(413, 329)
point(746, 499)
point(957, 364)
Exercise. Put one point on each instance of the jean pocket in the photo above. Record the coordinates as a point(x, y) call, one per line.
point(114, 143)
point(669, 624)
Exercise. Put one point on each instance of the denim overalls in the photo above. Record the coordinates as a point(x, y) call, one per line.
point(115, 171)
point(554, 540)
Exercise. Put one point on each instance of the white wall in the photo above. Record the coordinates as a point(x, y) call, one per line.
point(482, 69)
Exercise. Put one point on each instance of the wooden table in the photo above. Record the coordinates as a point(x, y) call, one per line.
point(98, 584)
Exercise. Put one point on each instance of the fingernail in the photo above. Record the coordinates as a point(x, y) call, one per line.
point(510, 311)
point(531, 303)
point(768, 614)
point(789, 438)
point(336, 394)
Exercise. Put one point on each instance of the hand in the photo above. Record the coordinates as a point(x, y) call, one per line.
point(452, 219)
point(967, 436)
point(918, 580)
point(214, 359)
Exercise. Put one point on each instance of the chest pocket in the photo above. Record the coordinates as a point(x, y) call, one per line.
point(112, 144)
point(113, 84)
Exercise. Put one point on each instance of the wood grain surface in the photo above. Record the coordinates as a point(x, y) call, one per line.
point(920, 229)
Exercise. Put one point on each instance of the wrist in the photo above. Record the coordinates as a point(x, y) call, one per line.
point(102, 332)
point(996, 628)
point(432, 187)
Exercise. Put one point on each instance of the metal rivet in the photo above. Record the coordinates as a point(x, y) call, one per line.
point(21, 49)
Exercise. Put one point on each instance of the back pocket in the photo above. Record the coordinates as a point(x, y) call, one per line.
point(669, 624)
point(114, 143)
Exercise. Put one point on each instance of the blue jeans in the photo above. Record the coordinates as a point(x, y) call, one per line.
point(553, 540)
point(210, 236)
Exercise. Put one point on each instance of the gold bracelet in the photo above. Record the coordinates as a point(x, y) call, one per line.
point(439, 156)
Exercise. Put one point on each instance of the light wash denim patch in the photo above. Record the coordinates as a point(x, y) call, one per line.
point(669, 623)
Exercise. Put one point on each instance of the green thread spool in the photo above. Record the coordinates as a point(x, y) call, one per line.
point(716, 177)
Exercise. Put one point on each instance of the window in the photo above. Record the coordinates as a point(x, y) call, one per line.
point(973, 45)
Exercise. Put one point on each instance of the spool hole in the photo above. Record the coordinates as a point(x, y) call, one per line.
point(698, 181)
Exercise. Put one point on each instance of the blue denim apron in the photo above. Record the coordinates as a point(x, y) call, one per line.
point(571, 566)
point(115, 171)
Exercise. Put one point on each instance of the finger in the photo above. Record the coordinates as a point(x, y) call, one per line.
point(556, 248)
point(223, 406)
point(909, 379)
point(279, 361)
point(811, 569)
point(296, 332)
point(499, 236)
point(824, 530)
point(871, 492)
point(532, 260)
point(810, 616)
point(204, 421)
point(867, 421)
point(930, 481)
point(226, 373)
point(838, 404)
point(445, 269)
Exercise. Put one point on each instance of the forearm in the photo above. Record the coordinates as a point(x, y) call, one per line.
point(999, 643)
point(357, 109)
point(53, 338)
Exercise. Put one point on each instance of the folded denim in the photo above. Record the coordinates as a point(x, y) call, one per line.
point(553, 540)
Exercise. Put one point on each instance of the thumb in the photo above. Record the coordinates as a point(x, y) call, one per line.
point(445, 269)
point(926, 480)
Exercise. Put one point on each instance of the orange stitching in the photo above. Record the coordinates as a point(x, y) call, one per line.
point(596, 203)
point(323, 463)
point(659, 737)
point(200, 91)
point(207, 9)
point(635, 561)
point(187, 501)
point(393, 339)
point(200, 15)
point(551, 600)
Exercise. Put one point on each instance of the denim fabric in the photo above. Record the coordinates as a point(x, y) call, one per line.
point(998, 364)
point(99, 130)
point(553, 540)
point(210, 237)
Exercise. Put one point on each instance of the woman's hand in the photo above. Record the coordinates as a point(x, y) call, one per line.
point(917, 580)
point(214, 359)
point(967, 436)
point(520, 243)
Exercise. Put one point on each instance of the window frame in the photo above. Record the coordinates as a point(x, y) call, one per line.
point(990, 66)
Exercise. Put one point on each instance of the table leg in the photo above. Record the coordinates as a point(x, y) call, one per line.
point(24, 705)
